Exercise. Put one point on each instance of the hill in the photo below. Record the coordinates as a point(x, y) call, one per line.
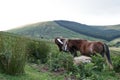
point(104, 32)
point(69, 29)
point(48, 30)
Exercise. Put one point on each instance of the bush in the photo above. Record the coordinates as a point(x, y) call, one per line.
point(99, 63)
point(12, 54)
point(38, 50)
point(82, 70)
point(116, 63)
point(60, 60)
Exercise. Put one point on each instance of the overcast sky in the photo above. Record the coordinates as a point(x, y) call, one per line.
point(16, 13)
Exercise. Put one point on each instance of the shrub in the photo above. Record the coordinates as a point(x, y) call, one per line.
point(99, 63)
point(12, 54)
point(60, 60)
point(38, 50)
point(116, 63)
point(82, 70)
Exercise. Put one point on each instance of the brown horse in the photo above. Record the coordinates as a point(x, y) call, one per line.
point(85, 47)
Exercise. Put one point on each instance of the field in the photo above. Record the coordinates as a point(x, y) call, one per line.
point(32, 74)
point(56, 66)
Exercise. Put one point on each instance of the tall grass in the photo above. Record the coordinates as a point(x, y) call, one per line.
point(12, 54)
point(14, 50)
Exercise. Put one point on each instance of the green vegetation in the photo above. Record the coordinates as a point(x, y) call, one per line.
point(106, 33)
point(32, 74)
point(12, 54)
point(97, 70)
point(37, 50)
point(69, 29)
point(15, 49)
point(51, 64)
point(60, 61)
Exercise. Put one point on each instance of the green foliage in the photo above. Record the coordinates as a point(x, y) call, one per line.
point(116, 61)
point(14, 50)
point(12, 54)
point(83, 70)
point(99, 63)
point(97, 70)
point(32, 74)
point(60, 60)
point(38, 50)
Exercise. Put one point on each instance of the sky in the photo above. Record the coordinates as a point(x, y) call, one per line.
point(17, 13)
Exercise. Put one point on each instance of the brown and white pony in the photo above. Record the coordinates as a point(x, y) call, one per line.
point(85, 47)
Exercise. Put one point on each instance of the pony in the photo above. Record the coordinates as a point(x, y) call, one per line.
point(86, 48)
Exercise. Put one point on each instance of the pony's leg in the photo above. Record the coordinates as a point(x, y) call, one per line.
point(72, 53)
point(60, 49)
point(75, 53)
point(102, 54)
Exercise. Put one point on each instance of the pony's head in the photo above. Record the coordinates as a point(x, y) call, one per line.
point(62, 44)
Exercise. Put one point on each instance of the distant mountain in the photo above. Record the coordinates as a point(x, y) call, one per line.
point(69, 29)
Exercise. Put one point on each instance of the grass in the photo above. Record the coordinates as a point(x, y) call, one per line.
point(32, 74)
point(115, 51)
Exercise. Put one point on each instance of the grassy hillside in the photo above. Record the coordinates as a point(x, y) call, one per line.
point(48, 30)
point(104, 32)
point(69, 29)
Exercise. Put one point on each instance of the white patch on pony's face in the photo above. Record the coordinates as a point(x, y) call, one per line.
point(60, 41)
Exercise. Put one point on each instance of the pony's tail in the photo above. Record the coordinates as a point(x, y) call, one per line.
point(107, 56)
